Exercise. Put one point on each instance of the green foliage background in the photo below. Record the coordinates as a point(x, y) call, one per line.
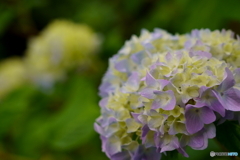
point(58, 124)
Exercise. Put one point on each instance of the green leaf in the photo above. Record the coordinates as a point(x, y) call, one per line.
point(199, 14)
point(6, 17)
point(202, 154)
point(170, 155)
point(13, 106)
point(99, 18)
point(228, 134)
point(231, 11)
point(73, 126)
point(33, 138)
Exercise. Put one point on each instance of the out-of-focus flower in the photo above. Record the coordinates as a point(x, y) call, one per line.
point(62, 46)
point(163, 93)
point(12, 75)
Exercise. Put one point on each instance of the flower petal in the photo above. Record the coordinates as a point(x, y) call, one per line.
point(193, 121)
point(162, 83)
point(164, 99)
point(147, 93)
point(230, 99)
point(105, 88)
point(200, 54)
point(150, 80)
point(137, 57)
point(124, 155)
point(152, 154)
point(112, 127)
point(135, 116)
point(209, 98)
point(183, 152)
point(132, 125)
point(143, 153)
point(113, 145)
point(217, 106)
point(174, 144)
point(228, 81)
point(122, 66)
point(177, 127)
point(145, 130)
point(197, 141)
point(237, 77)
point(211, 130)
point(132, 83)
point(207, 116)
point(103, 102)
point(98, 129)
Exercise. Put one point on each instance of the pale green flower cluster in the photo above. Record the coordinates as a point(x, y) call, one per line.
point(62, 46)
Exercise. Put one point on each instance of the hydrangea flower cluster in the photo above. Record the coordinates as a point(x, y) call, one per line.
point(62, 46)
point(163, 92)
point(12, 75)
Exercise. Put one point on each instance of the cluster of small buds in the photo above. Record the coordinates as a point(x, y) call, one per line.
point(12, 75)
point(163, 92)
point(62, 46)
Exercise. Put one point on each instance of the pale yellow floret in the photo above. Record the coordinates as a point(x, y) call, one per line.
point(132, 125)
point(12, 75)
point(177, 111)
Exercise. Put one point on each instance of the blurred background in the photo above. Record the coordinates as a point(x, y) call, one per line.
point(53, 54)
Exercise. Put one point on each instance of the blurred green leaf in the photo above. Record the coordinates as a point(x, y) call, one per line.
point(6, 16)
point(201, 14)
point(13, 106)
point(33, 139)
point(231, 11)
point(132, 7)
point(113, 42)
point(203, 154)
point(228, 134)
point(73, 126)
point(170, 155)
point(100, 18)
point(33, 3)
point(159, 16)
